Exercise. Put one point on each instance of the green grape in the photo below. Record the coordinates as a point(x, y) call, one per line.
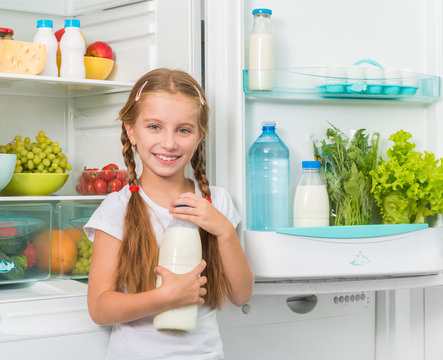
point(23, 152)
point(48, 141)
point(51, 157)
point(68, 167)
point(36, 150)
point(37, 159)
point(18, 162)
point(48, 150)
point(56, 150)
point(40, 167)
point(46, 162)
point(17, 138)
point(43, 146)
point(42, 155)
point(27, 140)
point(30, 165)
point(45, 171)
point(30, 155)
point(23, 159)
point(18, 169)
point(41, 133)
point(20, 143)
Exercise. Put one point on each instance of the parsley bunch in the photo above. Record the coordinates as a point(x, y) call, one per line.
point(347, 163)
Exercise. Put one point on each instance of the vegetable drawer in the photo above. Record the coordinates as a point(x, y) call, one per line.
point(347, 252)
point(24, 255)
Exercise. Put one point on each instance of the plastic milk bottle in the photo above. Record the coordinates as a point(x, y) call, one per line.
point(180, 252)
point(45, 36)
point(72, 49)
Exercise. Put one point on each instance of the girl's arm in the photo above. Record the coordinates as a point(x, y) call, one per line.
point(108, 306)
point(235, 264)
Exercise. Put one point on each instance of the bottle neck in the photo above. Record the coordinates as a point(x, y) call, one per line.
point(310, 171)
point(262, 23)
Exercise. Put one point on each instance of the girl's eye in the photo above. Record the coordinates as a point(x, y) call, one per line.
point(184, 131)
point(153, 127)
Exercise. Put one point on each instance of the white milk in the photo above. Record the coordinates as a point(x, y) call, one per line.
point(180, 252)
point(311, 206)
point(45, 36)
point(261, 53)
point(72, 49)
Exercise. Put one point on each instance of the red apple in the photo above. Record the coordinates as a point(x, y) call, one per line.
point(100, 49)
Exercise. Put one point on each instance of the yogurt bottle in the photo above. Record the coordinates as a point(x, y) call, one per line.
point(45, 36)
point(311, 202)
point(72, 49)
point(261, 52)
point(180, 252)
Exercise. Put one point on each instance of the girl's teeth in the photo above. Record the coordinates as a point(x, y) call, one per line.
point(166, 158)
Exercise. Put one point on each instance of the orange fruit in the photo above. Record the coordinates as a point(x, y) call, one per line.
point(74, 233)
point(62, 253)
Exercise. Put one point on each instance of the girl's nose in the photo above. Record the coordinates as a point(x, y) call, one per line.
point(169, 141)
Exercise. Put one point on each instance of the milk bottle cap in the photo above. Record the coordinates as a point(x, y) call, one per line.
point(262, 11)
point(311, 164)
point(72, 23)
point(44, 23)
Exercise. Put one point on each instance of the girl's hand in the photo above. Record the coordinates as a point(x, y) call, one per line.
point(201, 212)
point(183, 289)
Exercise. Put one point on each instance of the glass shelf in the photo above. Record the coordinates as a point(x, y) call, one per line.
point(52, 198)
point(312, 84)
point(49, 86)
point(62, 7)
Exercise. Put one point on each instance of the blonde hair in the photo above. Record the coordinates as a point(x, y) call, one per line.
point(139, 249)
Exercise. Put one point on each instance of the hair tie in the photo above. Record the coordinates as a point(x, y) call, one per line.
point(200, 96)
point(133, 188)
point(209, 199)
point(139, 92)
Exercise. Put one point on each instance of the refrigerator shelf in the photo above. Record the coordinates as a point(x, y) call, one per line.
point(51, 198)
point(62, 7)
point(311, 84)
point(49, 86)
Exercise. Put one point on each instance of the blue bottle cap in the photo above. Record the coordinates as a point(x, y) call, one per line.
point(44, 23)
point(72, 23)
point(262, 11)
point(311, 164)
point(268, 124)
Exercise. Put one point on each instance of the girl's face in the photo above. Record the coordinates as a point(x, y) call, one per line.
point(166, 133)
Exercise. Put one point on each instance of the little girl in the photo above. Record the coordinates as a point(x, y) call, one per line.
point(164, 120)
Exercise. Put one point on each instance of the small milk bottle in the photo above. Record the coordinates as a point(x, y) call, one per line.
point(72, 49)
point(311, 203)
point(180, 252)
point(45, 36)
point(261, 52)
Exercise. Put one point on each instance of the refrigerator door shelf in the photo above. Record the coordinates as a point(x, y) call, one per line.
point(311, 84)
point(281, 256)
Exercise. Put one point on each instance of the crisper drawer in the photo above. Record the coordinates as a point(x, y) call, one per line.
point(289, 256)
point(24, 252)
point(68, 236)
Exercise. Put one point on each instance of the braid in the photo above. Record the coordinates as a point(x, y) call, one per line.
point(128, 156)
point(218, 284)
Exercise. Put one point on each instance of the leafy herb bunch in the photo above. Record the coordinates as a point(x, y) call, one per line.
point(346, 164)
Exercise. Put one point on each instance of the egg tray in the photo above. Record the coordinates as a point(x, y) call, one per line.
point(366, 89)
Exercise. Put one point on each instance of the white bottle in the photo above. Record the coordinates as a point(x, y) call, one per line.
point(45, 36)
point(311, 202)
point(180, 252)
point(261, 52)
point(72, 49)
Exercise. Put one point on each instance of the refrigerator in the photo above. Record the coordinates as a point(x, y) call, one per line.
point(299, 310)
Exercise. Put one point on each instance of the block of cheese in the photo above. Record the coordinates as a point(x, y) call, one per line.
point(20, 57)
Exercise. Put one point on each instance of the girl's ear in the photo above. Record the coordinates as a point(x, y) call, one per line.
point(130, 132)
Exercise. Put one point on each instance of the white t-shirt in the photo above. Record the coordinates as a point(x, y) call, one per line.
point(139, 340)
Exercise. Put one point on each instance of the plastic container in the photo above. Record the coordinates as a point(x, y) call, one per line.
point(261, 52)
point(72, 49)
point(46, 36)
point(180, 252)
point(6, 34)
point(311, 202)
point(268, 182)
point(22, 257)
point(100, 182)
point(70, 217)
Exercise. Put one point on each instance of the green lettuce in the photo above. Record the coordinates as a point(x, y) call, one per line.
point(408, 186)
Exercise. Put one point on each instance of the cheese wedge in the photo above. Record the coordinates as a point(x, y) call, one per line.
point(20, 57)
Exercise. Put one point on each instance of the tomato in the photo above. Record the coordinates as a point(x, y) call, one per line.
point(100, 186)
point(91, 174)
point(124, 183)
point(122, 175)
point(108, 175)
point(31, 255)
point(80, 188)
point(114, 185)
point(88, 188)
point(112, 167)
point(8, 231)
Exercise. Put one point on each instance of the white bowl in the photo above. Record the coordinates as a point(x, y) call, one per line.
point(7, 167)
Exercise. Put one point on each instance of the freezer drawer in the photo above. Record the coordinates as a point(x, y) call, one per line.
point(329, 326)
point(49, 320)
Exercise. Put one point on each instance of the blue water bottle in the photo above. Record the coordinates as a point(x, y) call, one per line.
point(268, 182)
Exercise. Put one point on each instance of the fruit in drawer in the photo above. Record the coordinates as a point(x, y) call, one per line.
point(61, 251)
point(83, 262)
point(20, 57)
point(100, 49)
point(74, 233)
point(42, 156)
point(31, 255)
